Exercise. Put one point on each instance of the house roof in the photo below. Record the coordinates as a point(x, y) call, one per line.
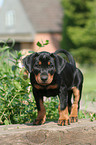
point(21, 19)
point(45, 15)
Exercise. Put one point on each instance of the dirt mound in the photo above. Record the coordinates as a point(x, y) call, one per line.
point(81, 133)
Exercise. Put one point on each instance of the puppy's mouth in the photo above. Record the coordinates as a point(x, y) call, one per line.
point(44, 79)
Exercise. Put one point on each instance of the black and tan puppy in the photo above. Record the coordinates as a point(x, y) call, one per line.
point(51, 75)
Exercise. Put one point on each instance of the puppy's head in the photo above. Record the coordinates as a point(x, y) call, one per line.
point(43, 65)
point(44, 68)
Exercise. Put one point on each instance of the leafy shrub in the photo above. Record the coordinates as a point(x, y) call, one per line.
point(79, 29)
point(86, 115)
point(84, 55)
point(15, 104)
point(51, 106)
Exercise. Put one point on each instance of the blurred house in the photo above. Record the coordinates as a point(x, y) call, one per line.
point(30, 21)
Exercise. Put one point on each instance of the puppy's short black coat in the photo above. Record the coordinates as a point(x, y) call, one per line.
point(51, 75)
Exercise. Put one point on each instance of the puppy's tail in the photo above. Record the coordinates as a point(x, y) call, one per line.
point(70, 57)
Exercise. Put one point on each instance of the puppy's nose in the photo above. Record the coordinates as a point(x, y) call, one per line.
point(44, 77)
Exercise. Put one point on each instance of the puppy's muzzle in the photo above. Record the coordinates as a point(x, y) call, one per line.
point(44, 76)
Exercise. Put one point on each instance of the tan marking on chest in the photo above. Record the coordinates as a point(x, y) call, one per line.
point(47, 88)
point(52, 87)
point(38, 87)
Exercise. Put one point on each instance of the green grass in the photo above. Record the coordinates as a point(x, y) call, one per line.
point(89, 86)
point(89, 90)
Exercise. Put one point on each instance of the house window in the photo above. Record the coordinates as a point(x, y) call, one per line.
point(1, 3)
point(10, 18)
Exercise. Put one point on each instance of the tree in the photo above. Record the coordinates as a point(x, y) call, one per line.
point(79, 29)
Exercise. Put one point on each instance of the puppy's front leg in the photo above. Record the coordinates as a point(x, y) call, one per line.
point(41, 117)
point(63, 108)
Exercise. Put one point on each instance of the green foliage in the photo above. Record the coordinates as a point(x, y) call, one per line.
point(52, 108)
point(42, 44)
point(15, 104)
point(86, 115)
point(79, 29)
point(84, 55)
point(89, 86)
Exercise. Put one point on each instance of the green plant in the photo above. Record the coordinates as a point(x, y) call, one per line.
point(84, 55)
point(41, 44)
point(89, 89)
point(92, 116)
point(51, 106)
point(15, 104)
point(79, 29)
point(87, 115)
point(83, 114)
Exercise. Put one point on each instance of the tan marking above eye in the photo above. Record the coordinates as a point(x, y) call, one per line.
point(49, 63)
point(39, 62)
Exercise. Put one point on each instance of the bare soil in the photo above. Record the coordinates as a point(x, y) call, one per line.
point(80, 133)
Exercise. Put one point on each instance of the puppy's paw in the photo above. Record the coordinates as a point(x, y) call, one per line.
point(63, 122)
point(73, 119)
point(38, 122)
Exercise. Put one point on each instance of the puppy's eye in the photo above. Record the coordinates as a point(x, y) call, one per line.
point(49, 63)
point(39, 62)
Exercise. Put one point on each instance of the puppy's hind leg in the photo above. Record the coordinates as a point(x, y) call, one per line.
point(69, 100)
point(74, 110)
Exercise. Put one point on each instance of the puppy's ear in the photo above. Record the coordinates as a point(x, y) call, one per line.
point(28, 61)
point(60, 62)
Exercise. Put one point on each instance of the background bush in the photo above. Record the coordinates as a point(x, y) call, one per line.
point(15, 104)
point(79, 29)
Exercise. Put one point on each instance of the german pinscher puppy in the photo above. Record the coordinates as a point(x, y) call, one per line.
point(51, 75)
